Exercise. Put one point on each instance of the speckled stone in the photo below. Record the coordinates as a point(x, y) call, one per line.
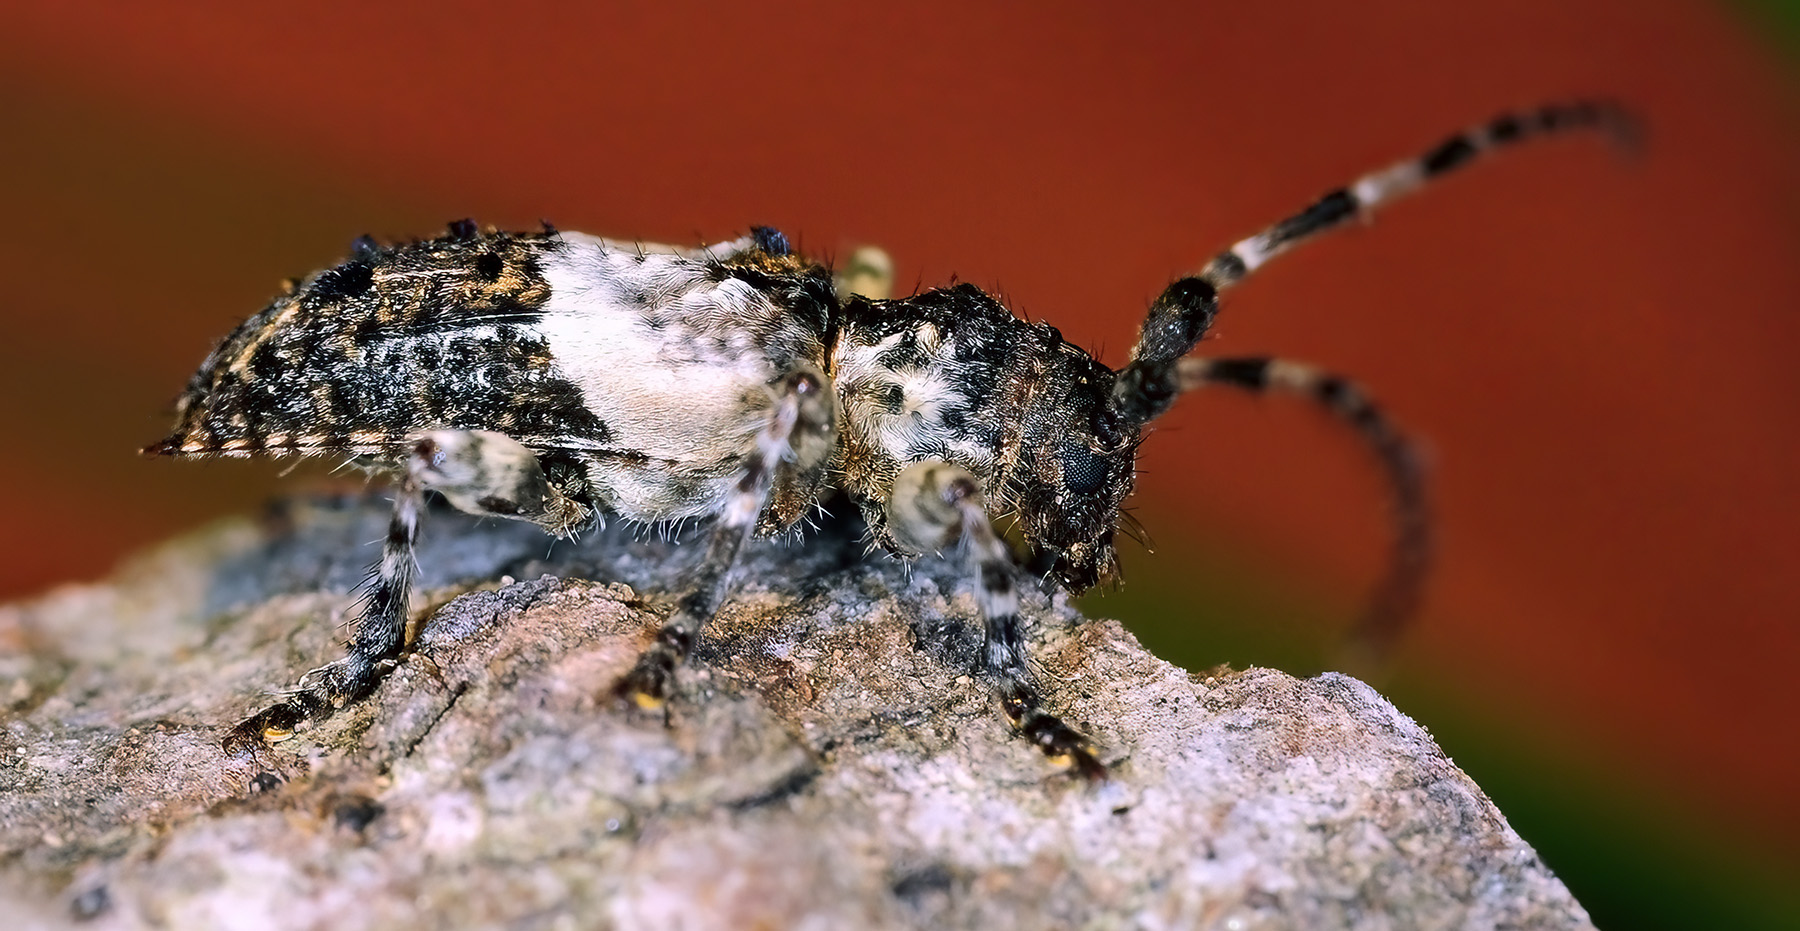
point(829, 763)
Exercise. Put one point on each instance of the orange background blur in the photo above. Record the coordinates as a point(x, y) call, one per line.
point(1601, 354)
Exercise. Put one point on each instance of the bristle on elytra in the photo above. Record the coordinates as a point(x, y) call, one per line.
point(168, 447)
point(241, 447)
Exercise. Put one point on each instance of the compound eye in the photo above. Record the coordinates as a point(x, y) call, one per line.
point(1083, 470)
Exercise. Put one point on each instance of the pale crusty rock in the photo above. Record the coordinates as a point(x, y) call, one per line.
point(830, 763)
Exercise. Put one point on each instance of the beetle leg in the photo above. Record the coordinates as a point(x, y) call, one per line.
point(377, 641)
point(796, 433)
point(935, 505)
point(868, 273)
point(479, 472)
point(492, 474)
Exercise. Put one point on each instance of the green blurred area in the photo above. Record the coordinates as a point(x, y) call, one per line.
point(1635, 861)
point(1779, 21)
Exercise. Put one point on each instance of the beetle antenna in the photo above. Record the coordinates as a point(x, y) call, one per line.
point(1181, 316)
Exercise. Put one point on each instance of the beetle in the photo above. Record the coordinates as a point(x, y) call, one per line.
point(561, 378)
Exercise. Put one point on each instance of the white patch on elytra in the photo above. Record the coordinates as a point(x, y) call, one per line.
point(638, 333)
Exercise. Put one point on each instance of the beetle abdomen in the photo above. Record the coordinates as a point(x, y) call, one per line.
point(433, 334)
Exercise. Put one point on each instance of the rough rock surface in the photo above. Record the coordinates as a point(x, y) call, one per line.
point(830, 763)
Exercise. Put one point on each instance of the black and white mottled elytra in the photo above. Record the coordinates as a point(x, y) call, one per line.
point(561, 378)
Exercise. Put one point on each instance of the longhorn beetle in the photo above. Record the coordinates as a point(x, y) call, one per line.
point(558, 378)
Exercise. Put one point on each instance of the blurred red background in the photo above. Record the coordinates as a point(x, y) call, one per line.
point(1600, 353)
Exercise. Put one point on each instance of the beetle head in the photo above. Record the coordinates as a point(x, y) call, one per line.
point(1075, 469)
